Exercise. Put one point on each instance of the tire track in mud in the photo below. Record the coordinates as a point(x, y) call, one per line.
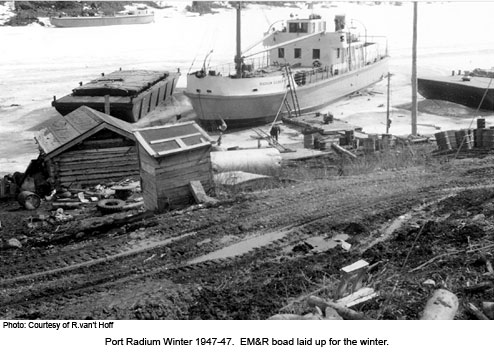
point(72, 281)
point(45, 261)
point(52, 285)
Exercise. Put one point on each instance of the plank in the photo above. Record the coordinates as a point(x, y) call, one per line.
point(184, 179)
point(185, 157)
point(184, 165)
point(201, 168)
point(102, 177)
point(84, 154)
point(158, 141)
point(89, 151)
point(122, 159)
point(132, 168)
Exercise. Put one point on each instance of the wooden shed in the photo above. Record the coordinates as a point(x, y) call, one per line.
point(87, 147)
point(170, 157)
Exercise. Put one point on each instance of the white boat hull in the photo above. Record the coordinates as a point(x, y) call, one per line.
point(249, 108)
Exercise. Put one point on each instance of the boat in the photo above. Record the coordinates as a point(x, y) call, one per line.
point(474, 89)
point(302, 67)
point(128, 95)
point(139, 15)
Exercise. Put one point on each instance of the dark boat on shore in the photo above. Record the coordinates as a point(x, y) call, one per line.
point(127, 94)
point(474, 89)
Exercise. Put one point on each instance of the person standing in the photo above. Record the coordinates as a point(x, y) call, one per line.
point(275, 131)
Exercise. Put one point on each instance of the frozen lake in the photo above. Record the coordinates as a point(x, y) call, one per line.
point(39, 62)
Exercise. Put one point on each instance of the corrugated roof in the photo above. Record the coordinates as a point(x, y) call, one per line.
point(164, 140)
point(76, 126)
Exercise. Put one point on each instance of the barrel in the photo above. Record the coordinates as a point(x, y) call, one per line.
point(369, 145)
point(316, 142)
point(446, 140)
point(386, 141)
point(488, 138)
point(349, 138)
point(477, 138)
point(464, 138)
point(308, 141)
point(28, 200)
point(481, 123)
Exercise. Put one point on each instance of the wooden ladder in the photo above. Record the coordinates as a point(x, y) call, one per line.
point(293, 92)
point(265, 136)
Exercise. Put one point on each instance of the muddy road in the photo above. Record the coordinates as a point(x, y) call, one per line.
point(254, 253)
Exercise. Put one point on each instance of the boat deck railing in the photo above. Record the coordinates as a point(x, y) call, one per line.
point(260, 67)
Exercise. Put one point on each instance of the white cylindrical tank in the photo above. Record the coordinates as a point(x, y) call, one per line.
point(258, 161)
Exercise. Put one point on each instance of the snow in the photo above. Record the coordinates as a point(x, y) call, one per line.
point(39, 62)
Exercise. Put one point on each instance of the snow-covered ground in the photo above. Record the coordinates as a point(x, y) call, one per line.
point(39, 62)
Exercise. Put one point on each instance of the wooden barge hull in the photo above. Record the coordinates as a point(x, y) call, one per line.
point(479, 91)
point(126, 105)
point(87, 21)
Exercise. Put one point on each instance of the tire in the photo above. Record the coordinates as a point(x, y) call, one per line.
point(108, 206)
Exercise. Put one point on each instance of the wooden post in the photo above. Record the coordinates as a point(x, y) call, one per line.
point(387, 106)
point(107, 104)
point(414, 71)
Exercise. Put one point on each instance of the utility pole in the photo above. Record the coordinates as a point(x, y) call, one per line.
point(238, 56)
point(388, 120)
point(414, 70)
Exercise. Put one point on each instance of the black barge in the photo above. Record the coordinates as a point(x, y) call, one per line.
point(128, 95)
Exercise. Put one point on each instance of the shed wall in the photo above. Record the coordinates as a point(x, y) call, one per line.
point(103, 157)
point(169, 186)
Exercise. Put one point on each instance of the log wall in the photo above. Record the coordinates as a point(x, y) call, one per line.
point(101, 158)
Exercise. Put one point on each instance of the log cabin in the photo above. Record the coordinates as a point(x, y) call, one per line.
point(87, 147)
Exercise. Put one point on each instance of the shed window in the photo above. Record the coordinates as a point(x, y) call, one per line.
point(281, 53)
point(316, 53)
point(298, 53)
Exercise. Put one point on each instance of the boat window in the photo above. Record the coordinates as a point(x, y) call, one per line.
point(298, 27)
point(316, 53)
point(281, 53)
point(293, 27)
point(298, 53)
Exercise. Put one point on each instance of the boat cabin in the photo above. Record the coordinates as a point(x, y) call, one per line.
point(306, 43)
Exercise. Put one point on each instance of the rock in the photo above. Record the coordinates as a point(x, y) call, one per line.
point(488, 308)
point(13, 243)
point(479, 218)
point(429, 282)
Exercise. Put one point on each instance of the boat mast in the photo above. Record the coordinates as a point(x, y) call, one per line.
point(238, 56)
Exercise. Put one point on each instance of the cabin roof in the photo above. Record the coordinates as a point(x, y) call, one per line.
point(66, 131)
point(164, 140)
